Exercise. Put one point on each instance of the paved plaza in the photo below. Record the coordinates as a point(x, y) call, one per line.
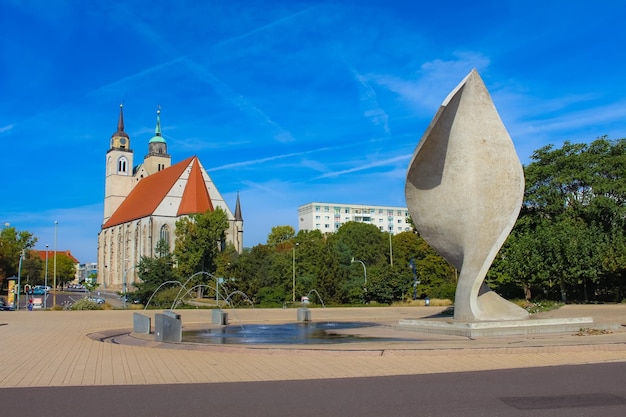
point(63, 348)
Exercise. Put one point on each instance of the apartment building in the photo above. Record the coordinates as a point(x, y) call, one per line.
point(328, 217)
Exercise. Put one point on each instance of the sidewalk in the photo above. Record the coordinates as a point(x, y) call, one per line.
point(53, 348)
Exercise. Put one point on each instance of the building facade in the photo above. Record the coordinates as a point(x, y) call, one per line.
point(142, 204)
point(47, 257)
point(85, 270)
point(328, 217)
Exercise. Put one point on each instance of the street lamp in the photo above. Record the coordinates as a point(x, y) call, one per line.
point(45, 296)
point(390, 250)
point(293, 296)
point(364, 271)
point(19, 280)
point(124, 284)
point(416, 282)
point(54, 288)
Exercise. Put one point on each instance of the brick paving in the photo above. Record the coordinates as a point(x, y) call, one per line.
point(61, 348)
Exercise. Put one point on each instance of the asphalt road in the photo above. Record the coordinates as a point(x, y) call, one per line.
point(70, 297)
point(586, 390)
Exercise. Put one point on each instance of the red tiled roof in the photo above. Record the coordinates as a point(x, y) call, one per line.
point(195, 197)
point(42, 255)
point(144, 199)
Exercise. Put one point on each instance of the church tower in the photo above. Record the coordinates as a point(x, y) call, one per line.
point(157, 158)
point(119, 169)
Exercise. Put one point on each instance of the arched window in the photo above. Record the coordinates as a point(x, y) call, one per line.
point(165, 234)
point(122, 165)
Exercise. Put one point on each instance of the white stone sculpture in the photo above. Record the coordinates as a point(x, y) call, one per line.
point(464, 189)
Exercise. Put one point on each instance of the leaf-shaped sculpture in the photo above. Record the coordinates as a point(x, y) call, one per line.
point(464, 190)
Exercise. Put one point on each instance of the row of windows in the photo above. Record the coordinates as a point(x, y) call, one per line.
point(122, 166)
point(348, 210)
point(318, 226)
point(361, 219)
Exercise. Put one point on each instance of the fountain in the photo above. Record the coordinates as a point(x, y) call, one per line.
point(168, 325)
point(299, 333)
point(318, 296)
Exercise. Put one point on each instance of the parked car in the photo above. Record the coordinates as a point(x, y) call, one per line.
point(97, 300)
point(4, 306)
point(77, 287)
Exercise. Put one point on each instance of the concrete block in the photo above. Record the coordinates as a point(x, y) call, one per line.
point(304, 314)
point(141, 323)
point(168, 327)
point(219, 317)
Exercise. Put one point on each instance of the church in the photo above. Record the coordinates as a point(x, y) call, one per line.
point(143, 203)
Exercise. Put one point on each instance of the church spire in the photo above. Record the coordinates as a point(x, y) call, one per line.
point(158, 136)
point(120, 122)
point(157, 131)
point(157, 158)
point(238, 216)
point(120, 125)
point(120, 139)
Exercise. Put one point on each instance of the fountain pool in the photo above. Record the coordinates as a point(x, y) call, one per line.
point(297, 333)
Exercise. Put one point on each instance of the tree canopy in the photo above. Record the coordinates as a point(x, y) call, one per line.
point(12, 243)
point(569, 239)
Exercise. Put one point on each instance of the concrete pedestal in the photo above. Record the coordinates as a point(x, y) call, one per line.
point(304, 314)
point(141, 323)
point(496, 328)
point(168, 327)
point(219, 317)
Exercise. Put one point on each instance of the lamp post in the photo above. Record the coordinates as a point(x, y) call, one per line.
point(45, 296)
point(364, 271)
point(415, 281)
point(54, 288)
point(19, 280)
point(124, 284)
point(293, 286)
point(390, 250)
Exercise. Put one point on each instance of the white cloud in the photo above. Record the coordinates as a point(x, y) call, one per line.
point(435, 79)
point(373, 111)
point(6, 128)
point(375, 164)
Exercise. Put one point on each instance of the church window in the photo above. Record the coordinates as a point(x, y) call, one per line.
point(165, 234)
point(122, 166)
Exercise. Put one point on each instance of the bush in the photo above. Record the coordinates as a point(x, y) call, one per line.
point(85, 304)
point(270, 296)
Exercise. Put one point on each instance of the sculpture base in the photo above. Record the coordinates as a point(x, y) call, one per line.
point(497, 328)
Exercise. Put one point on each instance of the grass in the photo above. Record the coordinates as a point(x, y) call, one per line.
point(538, 306)
point(434, 302)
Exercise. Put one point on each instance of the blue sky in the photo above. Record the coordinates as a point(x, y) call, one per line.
point(285, 102)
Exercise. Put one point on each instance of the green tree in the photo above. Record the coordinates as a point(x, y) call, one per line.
point(255, 274)
point(437, 278)
point(153, 272)
point(32, 269)
point(574, 205)
point(280, 234)
point(199, 238)
point(365, 241)
point(66, 269)
point(12, 243)
point(91, 283)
